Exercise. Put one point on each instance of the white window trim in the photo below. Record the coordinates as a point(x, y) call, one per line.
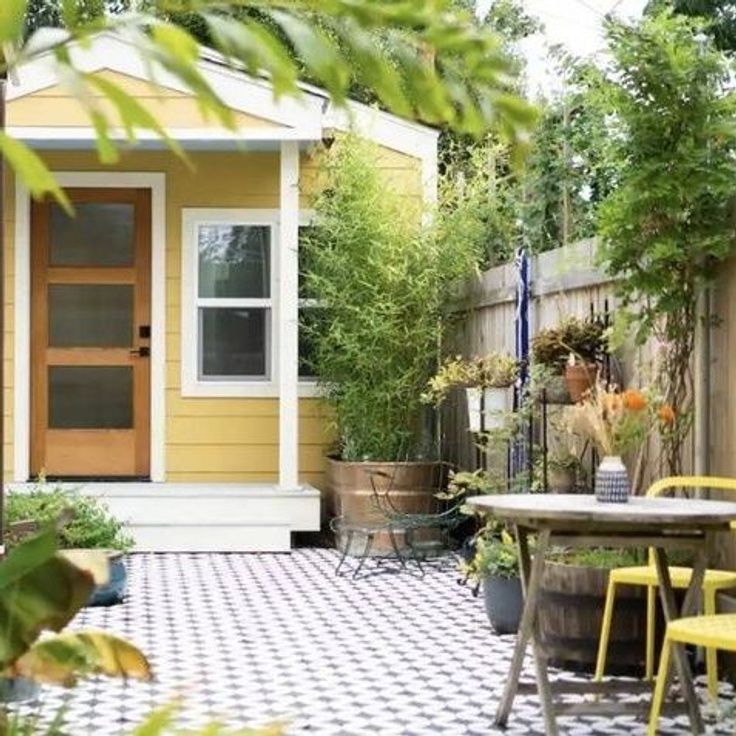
point(191, 384)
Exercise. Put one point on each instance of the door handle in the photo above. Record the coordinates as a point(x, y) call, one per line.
point(142, 352)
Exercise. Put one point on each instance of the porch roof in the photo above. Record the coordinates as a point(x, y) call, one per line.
point(307, 119)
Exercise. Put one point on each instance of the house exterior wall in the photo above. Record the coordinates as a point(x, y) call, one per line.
point(207, 439)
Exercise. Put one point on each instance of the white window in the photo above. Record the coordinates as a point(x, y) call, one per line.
point(229, 320)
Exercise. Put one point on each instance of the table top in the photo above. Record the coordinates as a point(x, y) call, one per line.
point(584, 508)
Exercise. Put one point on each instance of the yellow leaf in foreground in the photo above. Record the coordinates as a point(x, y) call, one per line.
point(61, 659)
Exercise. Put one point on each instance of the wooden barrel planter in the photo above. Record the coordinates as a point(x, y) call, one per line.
point(411, 487)
point(571, 612)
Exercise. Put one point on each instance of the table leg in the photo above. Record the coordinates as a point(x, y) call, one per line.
point(531, 578)
point(671, 613)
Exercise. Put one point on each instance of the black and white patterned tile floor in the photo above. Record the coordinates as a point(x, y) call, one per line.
point(249, 639)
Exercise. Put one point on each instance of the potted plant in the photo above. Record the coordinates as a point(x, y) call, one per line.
point(495, 566)
point(563, 471)
point(488, 383)
point(89, 525)
point(572, 597)
point(381, 280)
point(615, 422)
point(571, 351)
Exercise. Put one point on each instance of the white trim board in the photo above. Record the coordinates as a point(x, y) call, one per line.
point(156, 182)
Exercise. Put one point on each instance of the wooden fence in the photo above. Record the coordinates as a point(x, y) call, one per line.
point(564, 282)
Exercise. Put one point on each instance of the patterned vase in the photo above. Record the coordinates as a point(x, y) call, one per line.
point(612, 481)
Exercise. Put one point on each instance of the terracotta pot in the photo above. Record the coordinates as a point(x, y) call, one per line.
point(411, 485)
point(579, 379)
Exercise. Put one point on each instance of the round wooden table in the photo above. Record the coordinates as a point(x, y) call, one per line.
point(578, 520)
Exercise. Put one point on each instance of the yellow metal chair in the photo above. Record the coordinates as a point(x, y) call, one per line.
point(646, 576)
point(711, 632)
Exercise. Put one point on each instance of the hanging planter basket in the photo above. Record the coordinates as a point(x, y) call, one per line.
point(488, 407)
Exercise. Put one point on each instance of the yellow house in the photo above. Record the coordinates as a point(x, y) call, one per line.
point(151, 342)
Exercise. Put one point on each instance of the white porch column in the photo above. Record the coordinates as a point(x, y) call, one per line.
point(288, 316)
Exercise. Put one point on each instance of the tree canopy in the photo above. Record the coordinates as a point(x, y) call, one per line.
point(435, 64)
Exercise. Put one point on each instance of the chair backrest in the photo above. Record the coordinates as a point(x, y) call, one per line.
point(691, 481)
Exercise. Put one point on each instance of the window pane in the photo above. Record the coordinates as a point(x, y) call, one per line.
point(98, 234)
point(90, 315)
point(308, 321)
point(234, 343)
point(234, 261)
point(90, 397)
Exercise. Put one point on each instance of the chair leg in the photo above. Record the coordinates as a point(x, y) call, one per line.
point(711, 655)
point(660, 687)
point(600, 664)
point(651, 621)
point(345, 550)
point(395, 545)
point(366, 551)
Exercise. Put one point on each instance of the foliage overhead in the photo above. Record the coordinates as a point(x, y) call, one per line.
point(720, 16)
point(381, 280)
point(434, 63)
point(669, 225)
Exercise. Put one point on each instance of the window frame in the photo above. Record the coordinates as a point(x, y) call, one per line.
point(191, 383)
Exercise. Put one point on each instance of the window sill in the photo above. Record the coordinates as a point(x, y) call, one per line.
point(246, 389)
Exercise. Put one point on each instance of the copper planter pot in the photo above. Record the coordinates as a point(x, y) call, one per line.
point(411, 487)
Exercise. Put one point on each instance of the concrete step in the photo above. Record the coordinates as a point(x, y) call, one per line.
point(191, 517)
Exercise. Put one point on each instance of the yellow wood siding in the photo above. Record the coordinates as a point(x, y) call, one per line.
point(173, 109)
point(209, 439)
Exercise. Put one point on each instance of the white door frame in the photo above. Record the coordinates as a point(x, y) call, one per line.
point(156, 182)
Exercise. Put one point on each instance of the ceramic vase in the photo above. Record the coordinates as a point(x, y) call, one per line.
point(612, 481)
point(487, 408)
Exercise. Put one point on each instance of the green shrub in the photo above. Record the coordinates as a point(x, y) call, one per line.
point(382, 281)
point(92, 525)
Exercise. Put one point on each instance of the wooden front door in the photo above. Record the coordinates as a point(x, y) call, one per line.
point(90, 335)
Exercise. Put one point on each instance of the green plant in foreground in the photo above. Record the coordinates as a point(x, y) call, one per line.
point(495, 556)
point(91, 524)
point(41, 590)
point(381, 280)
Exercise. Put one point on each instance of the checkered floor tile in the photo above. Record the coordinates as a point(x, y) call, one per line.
point(254, 638)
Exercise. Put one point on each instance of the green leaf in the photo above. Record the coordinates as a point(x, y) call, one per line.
point(60, 660)
point(12, 20)
point(32, 171)
point(40, 591)
point(256, 48)
point(133, 116)
point(317, 51)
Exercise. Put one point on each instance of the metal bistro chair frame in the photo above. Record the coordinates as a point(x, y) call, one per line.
point(394, 521)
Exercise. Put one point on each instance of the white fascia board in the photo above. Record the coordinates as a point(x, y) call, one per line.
point(64, 133)
point(236, 89)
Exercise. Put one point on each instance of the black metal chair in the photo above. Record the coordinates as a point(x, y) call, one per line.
point(394, 522)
